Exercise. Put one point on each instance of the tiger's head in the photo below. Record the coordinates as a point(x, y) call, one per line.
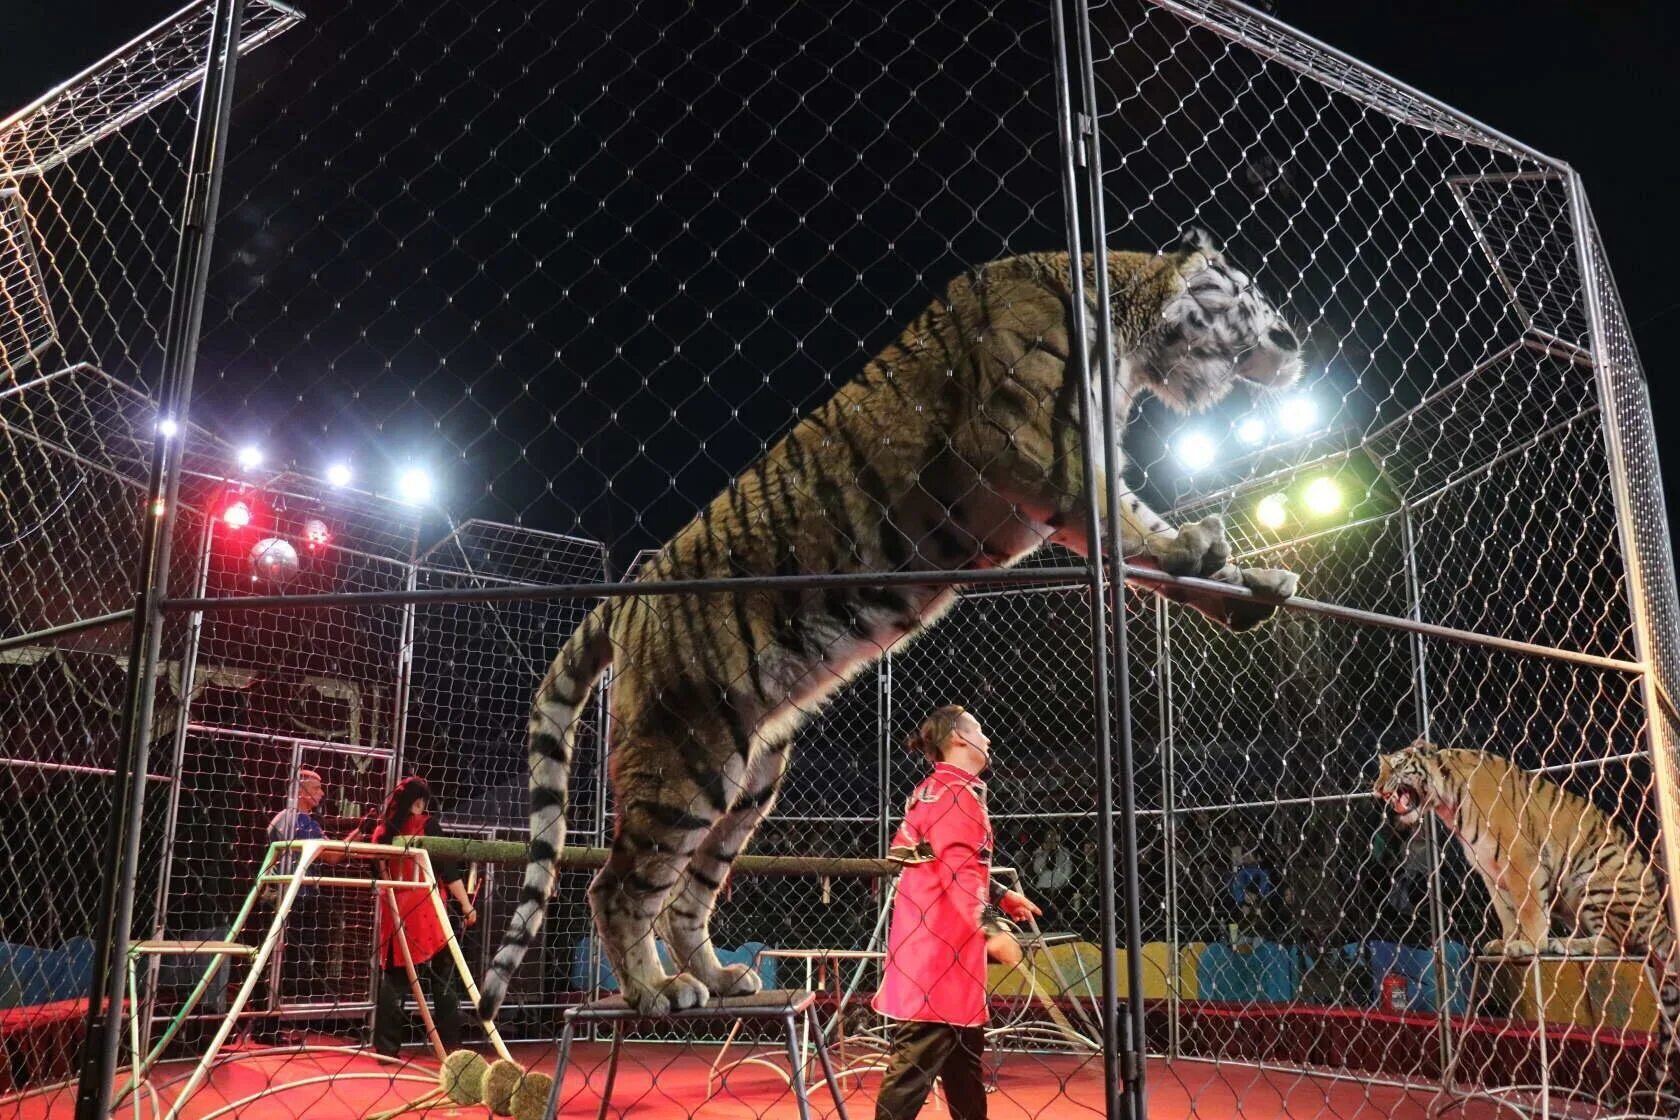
point(1213, 328)
point(1410, 781)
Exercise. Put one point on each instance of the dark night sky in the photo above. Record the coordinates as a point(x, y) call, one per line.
point(1590, 83)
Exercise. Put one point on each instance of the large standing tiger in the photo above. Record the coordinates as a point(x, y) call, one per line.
point(958, 447)
point(1551, 860)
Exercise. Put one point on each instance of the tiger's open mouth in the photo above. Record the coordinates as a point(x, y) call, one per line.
point(1405, 799)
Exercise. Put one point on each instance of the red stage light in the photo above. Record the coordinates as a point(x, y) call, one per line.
point(237, 515)
point(315, 532)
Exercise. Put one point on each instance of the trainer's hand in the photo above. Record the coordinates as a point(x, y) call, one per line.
point(470, 918)
point(1018, 907)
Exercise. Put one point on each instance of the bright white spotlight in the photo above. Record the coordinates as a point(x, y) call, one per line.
point(1322, 496)
point(1195, 451)
point(1297, 414)
point(1271, 511)
point(339, 474)
point(250, 458)
point(414, 485)
point(1251, 430)
point(167, 428)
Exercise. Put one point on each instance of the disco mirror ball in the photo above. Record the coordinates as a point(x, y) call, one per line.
point(274, 560)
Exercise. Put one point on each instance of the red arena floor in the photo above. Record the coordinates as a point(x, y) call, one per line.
point(657, 1082)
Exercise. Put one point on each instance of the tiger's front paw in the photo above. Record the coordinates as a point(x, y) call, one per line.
point(737, 980)
point(1494, 948)
point(1519, 949)
point(1270, 586)
point(1198, 549)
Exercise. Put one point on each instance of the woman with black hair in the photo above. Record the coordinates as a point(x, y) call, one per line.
point(404, 814)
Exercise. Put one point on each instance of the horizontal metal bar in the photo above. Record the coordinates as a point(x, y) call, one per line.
point(1439, 392)
point(1484, 469)
point(1582, 764)
point(517, 852)
point(66, 628)
point(280, 737)
point(66, 768)
point(1388, 622)
point(1003, 576)
point(348, 881)
point(1549, 344)
point(628, 588)
point(1318, 799)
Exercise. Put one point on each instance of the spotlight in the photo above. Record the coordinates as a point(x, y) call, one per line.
point(250, 458)
point(1271, 511)
point(414, 486)
point(315, 533)
point(167, 428)
point(1251, 430)
point(1195, 451)
point(237, 515)
point(339, 474)
point(1322, 496)
point(1297, 414)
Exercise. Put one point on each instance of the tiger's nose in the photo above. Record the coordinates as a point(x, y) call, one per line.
point(1282, 338)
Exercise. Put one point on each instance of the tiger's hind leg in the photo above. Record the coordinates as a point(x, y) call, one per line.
point(685, 922)
point(670, 794)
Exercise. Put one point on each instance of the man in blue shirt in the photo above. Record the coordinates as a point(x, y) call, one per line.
point(305, 930)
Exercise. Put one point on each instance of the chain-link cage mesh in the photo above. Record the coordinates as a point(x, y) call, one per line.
point(1452, 468)
point(501, 297)
point(91, 179)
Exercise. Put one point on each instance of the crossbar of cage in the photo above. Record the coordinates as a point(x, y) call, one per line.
point(280, 737)
point(1481, 470)
point(1545, 342)
point(71, 768)
point(65, 629)
point(1359, 795)
point(1020, 576)
point(1274, 803)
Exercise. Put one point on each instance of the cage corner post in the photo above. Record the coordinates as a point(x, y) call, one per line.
point(1641, 523)
point(189, 281)
point(177, 763)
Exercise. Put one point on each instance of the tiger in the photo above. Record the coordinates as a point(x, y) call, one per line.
point(957, 448)
point(1552, 861)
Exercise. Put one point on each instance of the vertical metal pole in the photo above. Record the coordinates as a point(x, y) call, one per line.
point(177, 759)
point(603, 787)
point(1660, 734)
point(1169, 819)
point(1122, 1071)
point(277, 959)
point(883, 755)
point(405, 662)
point(188, 281)
point(1437, 900)
point(1135, 1055)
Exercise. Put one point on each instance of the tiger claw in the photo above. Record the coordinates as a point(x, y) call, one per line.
point(1198, 549)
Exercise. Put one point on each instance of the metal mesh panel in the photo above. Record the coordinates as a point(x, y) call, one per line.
point(508, 295)
point(1458, 438)
point(91, 179)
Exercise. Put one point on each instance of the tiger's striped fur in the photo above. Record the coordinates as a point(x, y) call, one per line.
point(1551, 860)
point(958, 447)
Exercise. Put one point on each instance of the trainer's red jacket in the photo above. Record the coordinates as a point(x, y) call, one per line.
point(935, 970)
point(414, 912)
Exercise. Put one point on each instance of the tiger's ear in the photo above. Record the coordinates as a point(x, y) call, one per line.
point(1422, 746)
point(1196, 240)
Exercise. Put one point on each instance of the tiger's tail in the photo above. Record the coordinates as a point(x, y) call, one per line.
point(552, 733)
